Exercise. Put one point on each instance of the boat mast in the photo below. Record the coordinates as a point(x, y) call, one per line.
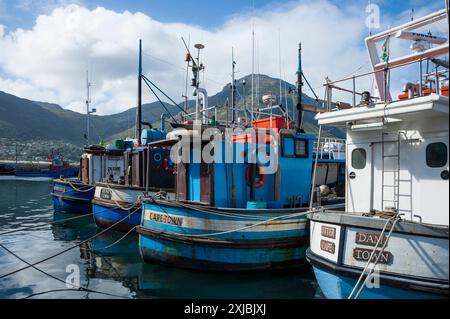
point(88, 111)
point(299, 90)
point(137, 133)
point(253, 73)
point(233, 87)
point(279, 65)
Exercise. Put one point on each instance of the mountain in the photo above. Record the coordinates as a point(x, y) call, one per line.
point(23, 119)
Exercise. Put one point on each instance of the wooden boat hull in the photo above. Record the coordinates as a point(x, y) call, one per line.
point(72, 197)
point(115, 205)
point(107, 214)
point(169, 234)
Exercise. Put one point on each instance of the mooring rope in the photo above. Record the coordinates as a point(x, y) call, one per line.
point(119, 240)
point(247, 227)
point(394, 218)
point(80, 288)
point(68, 249)
point(54, 222)
point(133, 205)
point(73, 290)
point(377, 259)
point(79, 189)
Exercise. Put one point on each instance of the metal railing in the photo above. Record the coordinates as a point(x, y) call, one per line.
point(417, 90)
point(330, 148)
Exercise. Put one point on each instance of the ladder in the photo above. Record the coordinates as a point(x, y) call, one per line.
point(392, 158)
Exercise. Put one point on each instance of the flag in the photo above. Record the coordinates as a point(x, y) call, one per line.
point(385, 49)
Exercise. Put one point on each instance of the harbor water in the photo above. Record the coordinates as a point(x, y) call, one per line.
point(106, 263)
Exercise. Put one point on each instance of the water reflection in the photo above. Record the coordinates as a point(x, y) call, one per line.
point(110, 263)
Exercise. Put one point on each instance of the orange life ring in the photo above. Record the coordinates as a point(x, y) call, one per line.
point(167, 165)
point(262, 176)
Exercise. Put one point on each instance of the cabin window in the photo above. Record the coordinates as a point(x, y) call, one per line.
point(301, 148)
point(359, 158)
point(436, 154)
point(294, 147)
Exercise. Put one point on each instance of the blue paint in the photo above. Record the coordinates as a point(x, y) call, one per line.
point(210, 219)
point(67, 199)
point(340, 287)
point(216, 226)
point(70, 172)
point(111, 216)
point(255, 258)
point(152, 135)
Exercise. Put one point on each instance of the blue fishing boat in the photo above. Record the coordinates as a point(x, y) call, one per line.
point(147, 169)
point(97, 164)
point(57, 167)
point(119, 204)
point(71, 195)
point(239, 215)
point(392, 240)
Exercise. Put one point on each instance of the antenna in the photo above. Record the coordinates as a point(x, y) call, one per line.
point(196, 68)
point(279, 62)
point(233, 87)
point(253, 73)
point(188, 58)
point(253, 64)
point(88, 110)
point(137, 133)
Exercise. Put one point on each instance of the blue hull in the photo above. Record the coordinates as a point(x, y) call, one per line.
point(173, 240)
point(68, 199)
point(340, 287)
point(106, 216)
point(71, 172)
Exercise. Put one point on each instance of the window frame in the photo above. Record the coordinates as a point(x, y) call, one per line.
point(365, 158)
point(427, 161)
point(294, 141)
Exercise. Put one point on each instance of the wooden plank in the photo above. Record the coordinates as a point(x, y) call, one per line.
point(181, 180)
point(206, 183)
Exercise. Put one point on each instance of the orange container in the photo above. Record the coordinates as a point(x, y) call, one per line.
point(277, 122)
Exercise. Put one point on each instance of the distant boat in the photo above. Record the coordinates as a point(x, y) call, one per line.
point(57, 168)
point(7, 169)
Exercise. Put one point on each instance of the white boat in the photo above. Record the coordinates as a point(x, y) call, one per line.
point(392, 240)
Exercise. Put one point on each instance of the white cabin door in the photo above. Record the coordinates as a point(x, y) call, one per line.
point(431, 174)
point(359, 177)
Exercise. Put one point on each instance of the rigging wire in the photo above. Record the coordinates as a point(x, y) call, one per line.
point(70, 248)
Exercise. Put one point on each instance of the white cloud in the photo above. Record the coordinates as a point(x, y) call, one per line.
point(49, 60)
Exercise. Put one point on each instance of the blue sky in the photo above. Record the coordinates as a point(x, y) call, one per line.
point(46, 59)
point(206, 13)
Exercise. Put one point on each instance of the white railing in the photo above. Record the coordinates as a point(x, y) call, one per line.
point(330, 148)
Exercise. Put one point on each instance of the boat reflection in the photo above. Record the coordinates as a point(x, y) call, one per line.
point(119, 260)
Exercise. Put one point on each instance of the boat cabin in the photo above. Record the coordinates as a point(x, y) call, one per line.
point(98, 164)
point(397, 148)
point(282, 177)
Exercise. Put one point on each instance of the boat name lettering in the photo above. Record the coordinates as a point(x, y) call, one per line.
point(105, 194)
point(327, 246)
point(329, 232)
point(362, 254)
point(369, 239)
point(165, 219)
